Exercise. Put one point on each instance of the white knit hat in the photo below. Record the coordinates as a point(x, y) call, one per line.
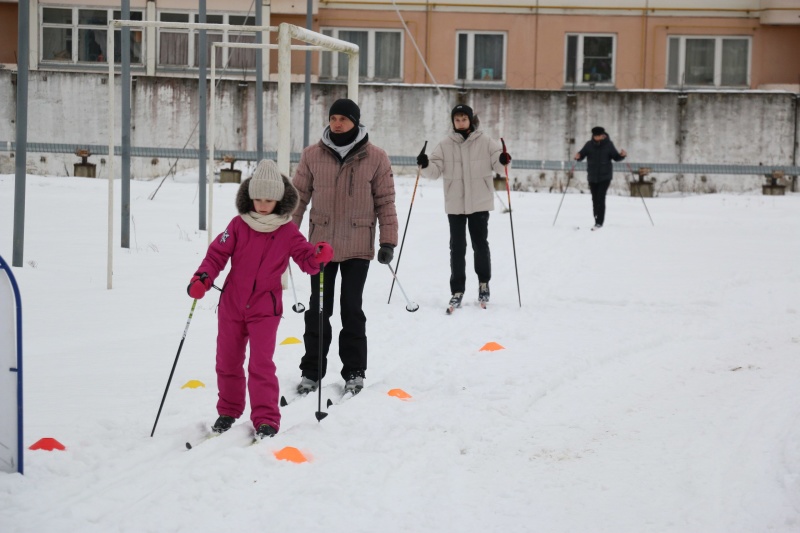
point(267, 182)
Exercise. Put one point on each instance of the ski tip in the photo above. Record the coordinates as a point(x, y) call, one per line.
point(320, 415)
point(329, 402)
point(284, 403)
point(188, 445)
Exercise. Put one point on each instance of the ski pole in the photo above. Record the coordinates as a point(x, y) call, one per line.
point(297, 307)
point(319, 414)
point(180, 346)
point(505, 209)
point(641, 196)
point(511, 218)
point(402, 242)
point(569, 177)
point(410, 306)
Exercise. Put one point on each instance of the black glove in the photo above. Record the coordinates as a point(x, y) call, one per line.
point(422, 160)
point(386, 253)
point(505, 158)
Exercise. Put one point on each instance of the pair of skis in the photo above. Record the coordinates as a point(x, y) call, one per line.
point(342, 396)
point(346, 395)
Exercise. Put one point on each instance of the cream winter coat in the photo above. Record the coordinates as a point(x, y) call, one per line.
point(468, 167)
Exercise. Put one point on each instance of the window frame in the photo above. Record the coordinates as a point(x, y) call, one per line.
point(579, 60)
point(76, 28)
point(718, 42)
point(192, 37)
point(470, 59)
point(371, 53)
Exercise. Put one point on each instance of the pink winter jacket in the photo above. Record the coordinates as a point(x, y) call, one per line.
point(257, 260)
point(348, 198)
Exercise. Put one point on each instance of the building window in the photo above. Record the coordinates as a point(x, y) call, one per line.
point(590, 59)
point(708, 61)
point(181, 47)
point(78, 36)
point(481, 56)
point(380, 54)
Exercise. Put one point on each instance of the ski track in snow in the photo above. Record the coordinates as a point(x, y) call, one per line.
point(647, 383)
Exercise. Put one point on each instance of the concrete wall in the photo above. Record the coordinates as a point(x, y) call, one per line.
point(654, 127)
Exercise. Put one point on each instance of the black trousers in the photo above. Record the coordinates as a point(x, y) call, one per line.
point(478, 224)
point(353, 337)
point(599, 200)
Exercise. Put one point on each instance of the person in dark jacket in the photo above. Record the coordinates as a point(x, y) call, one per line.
point(599, 152)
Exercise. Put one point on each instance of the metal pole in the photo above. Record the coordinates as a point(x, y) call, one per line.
point(203, 60)
point(112, 109)
point(284, 97)
point(125, 169)
point(259, 95)
point(307, 102)
point(23, 46)
point(352, 77)
point(212, 139)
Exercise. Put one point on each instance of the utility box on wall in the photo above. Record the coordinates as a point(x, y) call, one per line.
point(230, 175)
point(84, 169)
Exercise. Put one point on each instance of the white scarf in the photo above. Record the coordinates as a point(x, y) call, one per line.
point(265, 223)
point(268, 224)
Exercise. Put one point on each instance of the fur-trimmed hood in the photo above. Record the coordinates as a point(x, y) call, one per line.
point(286, 205)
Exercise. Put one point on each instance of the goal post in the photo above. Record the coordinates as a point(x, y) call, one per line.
point(11, 372)
point(286, 32)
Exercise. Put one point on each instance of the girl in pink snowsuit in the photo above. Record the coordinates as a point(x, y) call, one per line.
point(259, 243)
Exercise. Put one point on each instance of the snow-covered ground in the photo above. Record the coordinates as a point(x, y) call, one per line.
point(650, 381)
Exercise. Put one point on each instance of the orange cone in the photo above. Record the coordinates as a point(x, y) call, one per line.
point(399, 393)
point(492, 347)
point(290, 454)
point(48, 444)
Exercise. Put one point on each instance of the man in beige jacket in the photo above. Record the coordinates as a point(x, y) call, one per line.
point(349, 183)
point(467, 159)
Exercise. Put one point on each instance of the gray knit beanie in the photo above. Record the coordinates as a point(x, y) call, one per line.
point(267, 182)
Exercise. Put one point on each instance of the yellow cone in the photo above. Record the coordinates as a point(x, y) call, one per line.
point(193, 384)
point(291, 340)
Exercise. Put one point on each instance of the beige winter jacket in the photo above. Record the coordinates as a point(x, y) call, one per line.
point(467, 166)
point(347, 198)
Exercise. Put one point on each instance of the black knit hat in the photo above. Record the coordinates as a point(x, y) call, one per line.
point(462, 108)
point(347, 108)
point(598, 130)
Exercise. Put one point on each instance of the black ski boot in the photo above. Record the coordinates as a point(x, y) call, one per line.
point(483, 294)
point(455, 302)
point(223, 424)
point(265, 431)
point(354, 383)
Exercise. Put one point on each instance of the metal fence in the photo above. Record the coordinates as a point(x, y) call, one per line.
point(528, 164)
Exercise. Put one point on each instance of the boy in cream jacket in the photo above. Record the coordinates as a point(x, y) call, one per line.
point(467, 159)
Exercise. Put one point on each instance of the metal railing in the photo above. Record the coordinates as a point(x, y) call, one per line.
point(409, 161)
